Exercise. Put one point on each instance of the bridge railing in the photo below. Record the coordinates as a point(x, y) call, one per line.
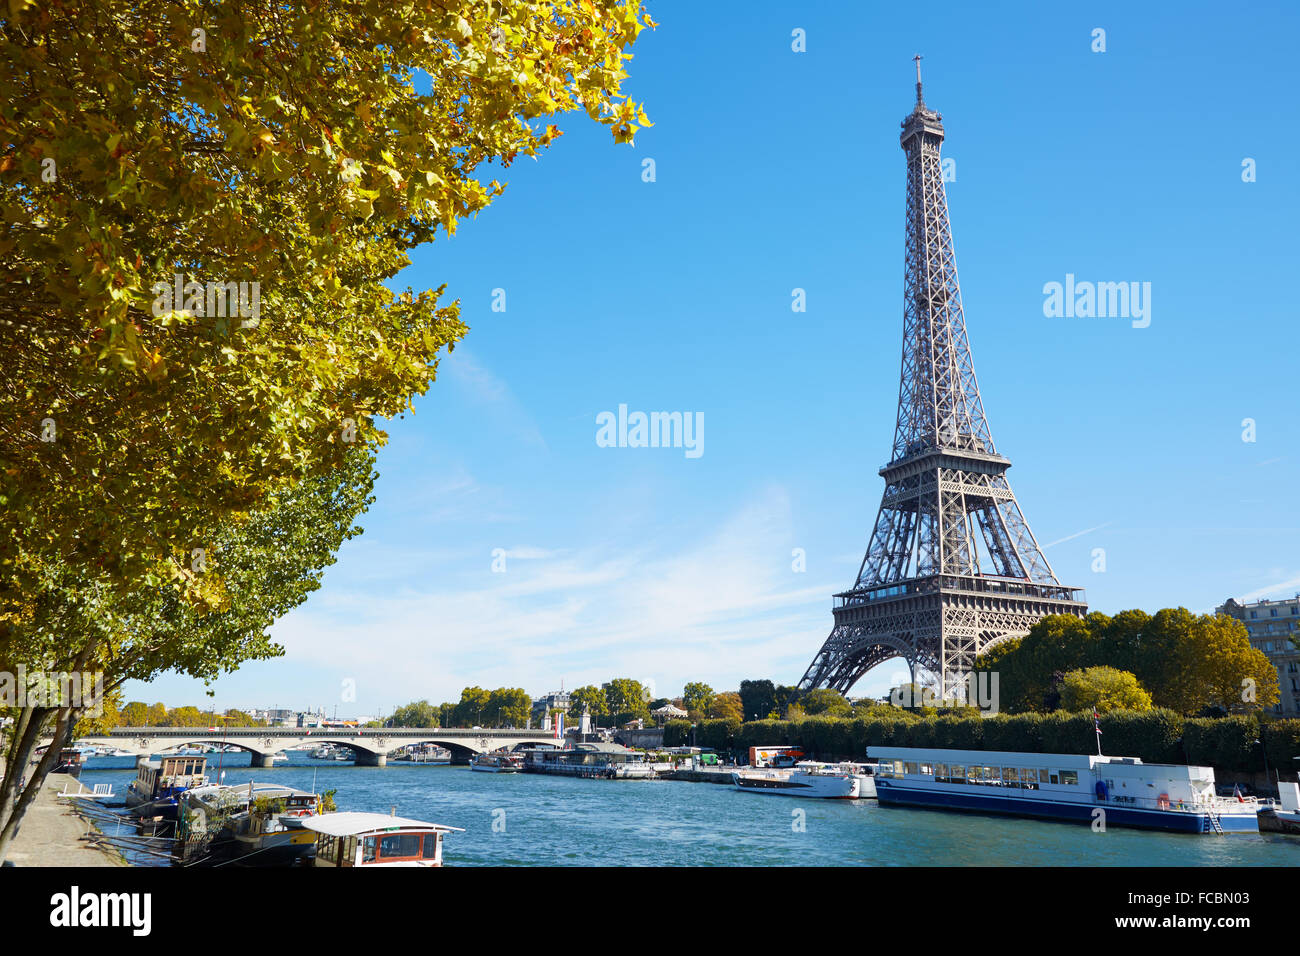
point(217, 733)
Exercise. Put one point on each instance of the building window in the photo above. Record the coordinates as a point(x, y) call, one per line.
point(1253, 615)
point(1272, 612)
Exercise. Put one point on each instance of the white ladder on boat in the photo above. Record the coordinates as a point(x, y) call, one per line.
point(1214, 820)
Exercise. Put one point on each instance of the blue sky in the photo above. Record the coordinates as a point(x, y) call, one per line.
point(777, 170)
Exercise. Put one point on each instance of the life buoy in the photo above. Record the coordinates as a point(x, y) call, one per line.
point(1162, 801)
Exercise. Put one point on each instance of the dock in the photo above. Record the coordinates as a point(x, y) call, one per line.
point(54, 834)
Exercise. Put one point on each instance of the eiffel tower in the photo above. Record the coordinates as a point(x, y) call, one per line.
point(926, 591)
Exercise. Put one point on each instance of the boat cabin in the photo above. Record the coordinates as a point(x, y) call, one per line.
point(376, 839)
point(170, 775)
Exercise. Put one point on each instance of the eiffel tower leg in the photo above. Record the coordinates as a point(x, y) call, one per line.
point(853, 648)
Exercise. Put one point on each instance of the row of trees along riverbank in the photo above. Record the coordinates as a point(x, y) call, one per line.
point(1235, 743)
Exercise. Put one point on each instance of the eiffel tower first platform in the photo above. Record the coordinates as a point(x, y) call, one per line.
point(932, 589)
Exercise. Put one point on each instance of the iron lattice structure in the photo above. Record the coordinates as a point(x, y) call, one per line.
point(952, 566)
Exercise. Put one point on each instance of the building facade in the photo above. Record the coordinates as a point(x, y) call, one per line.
point(1272, 625)
point(555, 700)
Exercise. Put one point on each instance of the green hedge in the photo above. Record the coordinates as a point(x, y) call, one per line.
point(1224, 742)
point(1157, 736)
point(677, 733)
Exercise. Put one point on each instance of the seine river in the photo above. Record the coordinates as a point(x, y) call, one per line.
point(534, 820)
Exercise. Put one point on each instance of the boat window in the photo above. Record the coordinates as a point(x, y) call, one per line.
point(1009, 777)
point(909, 767)
point(957, 774)
point(368, 846)
point(349, 855)
point(1070, 777)
point(398, 845)
point(941, 772)
point(990, 775)
point(926, 769)
point(431, 846)
point(1042, 775)
point(1055, 777)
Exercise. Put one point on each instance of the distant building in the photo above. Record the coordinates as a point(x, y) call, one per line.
point(556, 700)
point(1271, 625)
point(276, 717)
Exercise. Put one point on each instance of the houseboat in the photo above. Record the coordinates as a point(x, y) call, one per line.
point(818, 781)
point(598, 761)
point(426, 753)
point(1070, 787)
point(252, 824)
point(71, 760)
point(156, 786)
point(375, 839)
point(497, 763)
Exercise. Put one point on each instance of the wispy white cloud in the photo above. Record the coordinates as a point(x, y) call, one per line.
point(1077, 534)
point(1281, 589)
point(723, 606)
point(492, 394)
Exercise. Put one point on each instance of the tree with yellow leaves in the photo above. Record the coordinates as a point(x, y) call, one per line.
point(200, 208)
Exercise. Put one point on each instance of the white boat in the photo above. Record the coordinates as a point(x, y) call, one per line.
point(376, 839)
point(1121, 791)
point(818, 781)
point(497, 763)
point(593, 761)
point(864, 772)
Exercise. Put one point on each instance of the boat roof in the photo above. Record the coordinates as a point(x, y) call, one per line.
point(1012, 758)
point(356, 823)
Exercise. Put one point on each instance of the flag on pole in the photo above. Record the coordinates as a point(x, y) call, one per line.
point(1096, 720)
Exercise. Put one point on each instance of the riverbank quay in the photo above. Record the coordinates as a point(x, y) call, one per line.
point(53, 833)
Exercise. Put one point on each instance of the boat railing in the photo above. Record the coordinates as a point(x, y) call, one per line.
point(1177, 805)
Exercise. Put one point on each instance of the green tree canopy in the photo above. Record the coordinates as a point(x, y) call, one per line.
point(508, 707)
point(757, 698)
point(1103, 688)
point(419, 713)
point(623, 695)
point(697, 697)
point(825, 701)
point(472, 709)
point(726, 706)
point(1187, 662)
point(591, 698)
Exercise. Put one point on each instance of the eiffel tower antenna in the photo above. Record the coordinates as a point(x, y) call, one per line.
point(926, 590)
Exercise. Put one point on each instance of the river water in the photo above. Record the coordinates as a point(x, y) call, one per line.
point(534, 820)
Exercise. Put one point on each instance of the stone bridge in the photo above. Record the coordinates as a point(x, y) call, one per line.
point(369, 745)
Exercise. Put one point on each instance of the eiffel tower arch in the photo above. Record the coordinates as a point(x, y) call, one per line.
point(951, 567)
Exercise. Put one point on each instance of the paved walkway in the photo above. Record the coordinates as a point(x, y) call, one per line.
point(50, 834)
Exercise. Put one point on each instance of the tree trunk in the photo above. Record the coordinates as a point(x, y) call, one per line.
point(15, 798)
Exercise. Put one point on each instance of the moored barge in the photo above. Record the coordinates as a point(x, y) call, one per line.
point(1068, 787)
